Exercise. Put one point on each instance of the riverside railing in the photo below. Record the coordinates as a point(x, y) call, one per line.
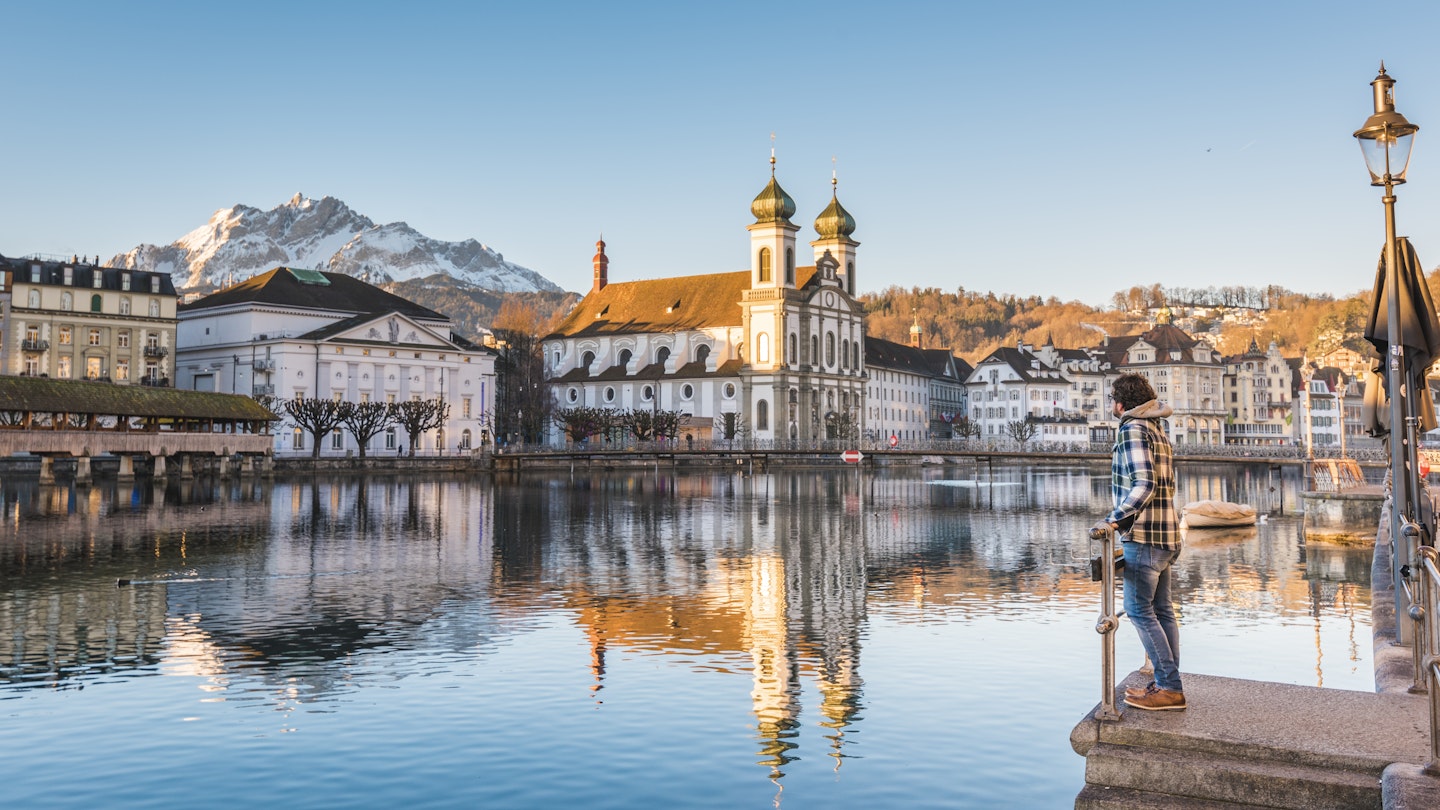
point(1427, 637)
point(1102, 568)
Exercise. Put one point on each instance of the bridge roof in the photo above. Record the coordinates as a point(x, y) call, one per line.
point(47, 395)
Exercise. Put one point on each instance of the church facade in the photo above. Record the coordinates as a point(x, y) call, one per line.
point(780, 346)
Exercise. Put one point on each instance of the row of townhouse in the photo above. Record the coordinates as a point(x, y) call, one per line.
point(286, 333)
point(1250, 399)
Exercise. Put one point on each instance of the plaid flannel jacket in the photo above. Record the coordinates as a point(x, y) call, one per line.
point(1142, 479)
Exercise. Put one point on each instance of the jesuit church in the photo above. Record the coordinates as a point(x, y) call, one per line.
point(781, 346)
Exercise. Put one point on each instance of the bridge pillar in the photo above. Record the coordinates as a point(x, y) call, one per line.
point(187, 469)
point(82, 469)
point(160, 471)
point(127, 468)
point(47, 470)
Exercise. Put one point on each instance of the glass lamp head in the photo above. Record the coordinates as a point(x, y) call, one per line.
point(1386, 138)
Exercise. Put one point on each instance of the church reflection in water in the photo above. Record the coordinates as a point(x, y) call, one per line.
point(778, 577)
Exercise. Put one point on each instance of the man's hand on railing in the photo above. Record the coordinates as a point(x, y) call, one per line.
point(1101, 530)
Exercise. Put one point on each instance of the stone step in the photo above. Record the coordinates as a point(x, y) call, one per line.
point(1359, 732)
point(1242, 781)
point(1100, 797)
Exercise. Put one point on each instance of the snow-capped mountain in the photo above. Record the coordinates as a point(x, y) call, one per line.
point(323, 234)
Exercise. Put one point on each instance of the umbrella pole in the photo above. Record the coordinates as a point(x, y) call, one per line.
point(1400, 491)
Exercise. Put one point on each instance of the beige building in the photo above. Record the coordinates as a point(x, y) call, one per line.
point(1258, 396)
point(77, 320)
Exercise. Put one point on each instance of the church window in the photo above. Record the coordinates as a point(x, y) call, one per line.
point(762, 347)
point(573, 395)
point(789, 265)
point(702, 353)
point(609, 394)
point(855, 355)
point(687, 391)
point(762, 415)
point(647, 393)
point(587, 359)
point(764, 264)
point(830, 349)
point(625, 356)
point(729, 390)
point(794, 349)
point(662, 356)
point(814, 358)
point(844, 352)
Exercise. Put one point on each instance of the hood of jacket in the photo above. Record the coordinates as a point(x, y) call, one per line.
point(1154, 409)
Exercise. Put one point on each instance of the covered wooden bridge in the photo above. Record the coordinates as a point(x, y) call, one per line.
point(53, 418)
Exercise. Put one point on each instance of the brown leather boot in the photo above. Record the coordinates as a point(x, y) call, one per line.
point(1160, 700)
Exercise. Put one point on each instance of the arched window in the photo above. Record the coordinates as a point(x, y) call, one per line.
point(465, 439)
point(625, 355)
point(855, 355)
point(662, 355)
point(830, 349)
point(762, 415)
point(789, 265)
point(95, 302)
point(844, 352)
point(762, 347)
point(794, 349)
point(587, 359)
point(814, 358)
point(764, 264)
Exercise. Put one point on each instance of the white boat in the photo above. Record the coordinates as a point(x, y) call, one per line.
point(1217, 514)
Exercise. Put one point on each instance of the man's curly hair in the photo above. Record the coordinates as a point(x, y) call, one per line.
point(1132, 389)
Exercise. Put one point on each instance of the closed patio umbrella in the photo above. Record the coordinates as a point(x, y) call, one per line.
point(1419, 335)
point(1419, 331)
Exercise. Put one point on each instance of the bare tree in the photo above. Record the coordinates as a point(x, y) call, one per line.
point(1021, 431)
point(523, 406)
point(580, 423)
point(365, 419)
point(420, 415)
point(318, 417)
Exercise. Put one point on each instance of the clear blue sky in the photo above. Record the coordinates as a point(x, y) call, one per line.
point(1051, 148)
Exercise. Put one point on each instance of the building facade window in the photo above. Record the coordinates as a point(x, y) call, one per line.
point(764, 264)
point(762, 415)
point(95, 302)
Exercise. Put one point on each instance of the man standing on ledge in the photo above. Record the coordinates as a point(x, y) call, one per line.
point(1142, 478)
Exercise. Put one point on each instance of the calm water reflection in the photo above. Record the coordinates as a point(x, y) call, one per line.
point(916, 639)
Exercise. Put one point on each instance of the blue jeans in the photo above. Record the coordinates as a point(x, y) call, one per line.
point(1148, 604)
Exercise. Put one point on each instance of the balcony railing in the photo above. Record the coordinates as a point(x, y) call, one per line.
point(156, 351)
point(264, 364)
point(155, 382)
point(31, 345)
point(263, 391)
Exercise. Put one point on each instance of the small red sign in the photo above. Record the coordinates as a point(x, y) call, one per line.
point(852, 456)
point(894, 440)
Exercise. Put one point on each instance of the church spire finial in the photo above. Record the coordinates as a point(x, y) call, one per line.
point(772, 154)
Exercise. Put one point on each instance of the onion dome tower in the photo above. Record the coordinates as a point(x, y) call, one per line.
point(772, 236)
point(602, 267)
point(835, 226)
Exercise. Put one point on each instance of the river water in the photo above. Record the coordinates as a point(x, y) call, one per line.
point(833, 639)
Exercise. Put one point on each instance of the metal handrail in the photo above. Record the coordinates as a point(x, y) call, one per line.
point(1427, 636)
point(1107, 623)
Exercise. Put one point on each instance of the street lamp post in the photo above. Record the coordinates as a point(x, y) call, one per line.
point(1385, 140)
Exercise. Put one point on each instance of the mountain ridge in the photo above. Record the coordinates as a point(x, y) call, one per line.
point(324, 234)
